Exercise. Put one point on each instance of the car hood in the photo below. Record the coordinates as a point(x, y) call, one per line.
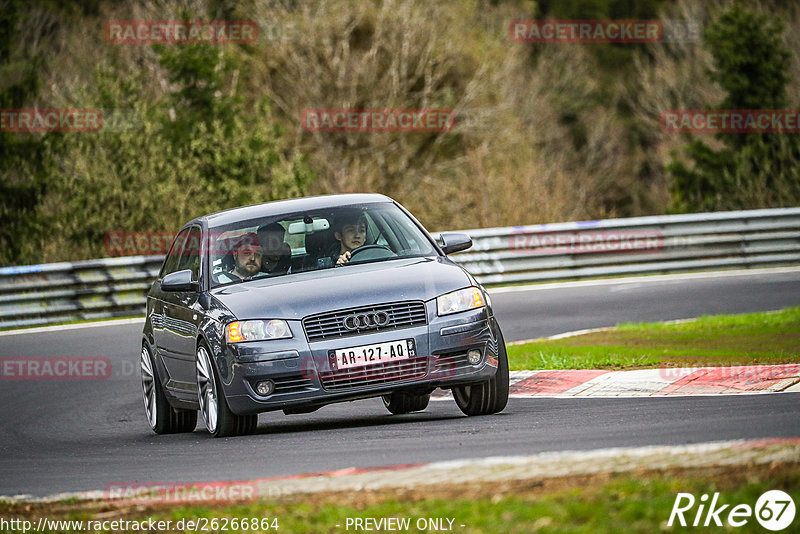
point(295, 296)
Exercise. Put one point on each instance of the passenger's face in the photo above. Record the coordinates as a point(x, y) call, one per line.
point(248, 260)
point(271, 247)
point(352, 236)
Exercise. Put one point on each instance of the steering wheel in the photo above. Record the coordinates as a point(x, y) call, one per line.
point(371, 252)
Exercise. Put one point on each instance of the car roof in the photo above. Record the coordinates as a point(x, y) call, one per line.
point(280, 207)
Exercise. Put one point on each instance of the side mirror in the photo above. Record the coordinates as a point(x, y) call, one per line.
point(452, 242)
point(179, 281)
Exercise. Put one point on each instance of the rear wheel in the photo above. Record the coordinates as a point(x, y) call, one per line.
point(163, 418)
point(220, 420)
point(401, 402)
point(487, 397)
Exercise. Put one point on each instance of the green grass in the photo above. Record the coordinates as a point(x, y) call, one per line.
point(746, 339)
point(626, 502)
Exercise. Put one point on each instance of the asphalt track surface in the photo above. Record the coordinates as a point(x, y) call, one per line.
point(59, 436)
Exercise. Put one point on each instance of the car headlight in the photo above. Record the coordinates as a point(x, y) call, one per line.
point(257, 330)
point(461, 300)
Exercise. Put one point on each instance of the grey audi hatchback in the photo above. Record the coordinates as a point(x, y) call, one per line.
point(295, 304)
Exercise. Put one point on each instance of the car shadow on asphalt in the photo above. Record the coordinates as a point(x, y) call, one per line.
point(343, 422)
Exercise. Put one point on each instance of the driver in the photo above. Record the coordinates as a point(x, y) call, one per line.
point(350, 231)
point(246, 259)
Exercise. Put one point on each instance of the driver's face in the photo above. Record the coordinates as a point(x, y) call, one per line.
point(352, 236)
point(248, 260)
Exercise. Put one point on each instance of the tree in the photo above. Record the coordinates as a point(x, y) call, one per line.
point(749, 170)
point(20, 154)
point(196, 148)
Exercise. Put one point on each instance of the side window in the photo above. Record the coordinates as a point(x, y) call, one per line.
point(176, 258)
point(174, 255)
point(190, 255)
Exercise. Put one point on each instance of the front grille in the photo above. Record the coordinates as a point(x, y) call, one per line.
point(452, 362)
point(370, 375)
point(331, 325)
point(292, 384)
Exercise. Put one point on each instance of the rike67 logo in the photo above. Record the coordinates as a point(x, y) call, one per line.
point(774, 510)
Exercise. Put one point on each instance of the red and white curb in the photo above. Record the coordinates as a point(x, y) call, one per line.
point(666, 381)
point(499, 469)
point(537, 466)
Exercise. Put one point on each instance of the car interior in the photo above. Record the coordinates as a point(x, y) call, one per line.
point(309, 242)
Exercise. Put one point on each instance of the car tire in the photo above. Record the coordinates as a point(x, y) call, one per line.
point(219, 419)
point(400, 402)
point(488, 397)
point(163, 418)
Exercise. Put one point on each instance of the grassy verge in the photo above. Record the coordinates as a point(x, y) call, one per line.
point(746, 339)
point(622, 502)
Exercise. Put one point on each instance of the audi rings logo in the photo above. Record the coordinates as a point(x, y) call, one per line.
point(359, 321)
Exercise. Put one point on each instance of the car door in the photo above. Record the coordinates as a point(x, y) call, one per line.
point(181, 316)
point(157, 305)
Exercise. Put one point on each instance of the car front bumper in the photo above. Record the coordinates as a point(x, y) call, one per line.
point(303, 377)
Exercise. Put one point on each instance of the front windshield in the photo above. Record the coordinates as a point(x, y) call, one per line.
point(313, 240)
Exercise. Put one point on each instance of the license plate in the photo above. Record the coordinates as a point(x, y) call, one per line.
point(372, 354)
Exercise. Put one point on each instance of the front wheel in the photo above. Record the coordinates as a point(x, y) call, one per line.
point(401, 402)
point(163, 418)
point(487, 397)
point(220, 420)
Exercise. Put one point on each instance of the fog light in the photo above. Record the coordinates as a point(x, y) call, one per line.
point(474, 356)
point(265, 387)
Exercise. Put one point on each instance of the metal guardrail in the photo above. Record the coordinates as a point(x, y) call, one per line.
point(116, 287)
point(63, 292)
point(647, 245)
